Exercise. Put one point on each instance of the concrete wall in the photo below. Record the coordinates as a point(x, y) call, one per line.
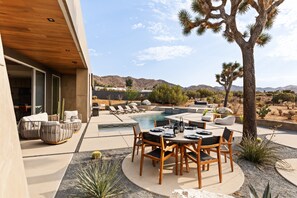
point(68, 91)
point(82, 93)
point(13, 181)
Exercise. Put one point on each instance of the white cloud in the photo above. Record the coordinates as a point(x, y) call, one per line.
point(93, 52)
point(286, 31)
point(165, 38)
point(168, 9)
point(138, 26)
point(163, 53)
point(157, 28)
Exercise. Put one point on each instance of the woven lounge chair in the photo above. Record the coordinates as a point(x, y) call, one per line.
point(120, 108)
point(128, 109)
point(29, 126)
point(74, 118)
point(52, 132)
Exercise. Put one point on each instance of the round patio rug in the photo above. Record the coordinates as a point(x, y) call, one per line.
point(149, 180)
point(288, 169)
point(287, 139)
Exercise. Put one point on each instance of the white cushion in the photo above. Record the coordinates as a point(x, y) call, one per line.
point(207, 117)
point(51, 123)
point(69, 114)
point(37, 117)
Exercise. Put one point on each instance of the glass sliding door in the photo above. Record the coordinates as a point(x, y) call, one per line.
point(39, 92)
point(55, 94)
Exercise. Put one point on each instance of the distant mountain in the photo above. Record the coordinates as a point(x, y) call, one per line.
point(138, 83)
point(142, 83)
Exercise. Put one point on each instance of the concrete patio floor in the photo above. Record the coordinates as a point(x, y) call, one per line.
point(45, 165)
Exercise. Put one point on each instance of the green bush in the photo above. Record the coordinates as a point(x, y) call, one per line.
point(283, 96)
point(166, 94)
point(204, 93)
point(260, 153)
point(263, 111)
point(100, 179)
point(132, 94)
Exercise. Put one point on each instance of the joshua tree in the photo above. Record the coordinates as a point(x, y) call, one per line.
point(230, 72)
point(212, 14)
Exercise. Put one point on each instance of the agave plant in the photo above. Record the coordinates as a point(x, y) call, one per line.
point(100, 179)
point(266, 194)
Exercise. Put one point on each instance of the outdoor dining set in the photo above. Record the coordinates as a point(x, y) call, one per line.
point(191, 143)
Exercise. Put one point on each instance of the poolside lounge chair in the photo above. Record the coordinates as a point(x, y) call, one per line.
point(137, 110)
point(120, 109)
point(129, 110)
point(112, 110)
point(160, 153)
point(202, 158)
point(229, 120)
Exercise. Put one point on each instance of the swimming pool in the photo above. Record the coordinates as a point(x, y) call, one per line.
point(147, 121)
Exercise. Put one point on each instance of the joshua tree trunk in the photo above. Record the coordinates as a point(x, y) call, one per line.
point(249, 92)
point(227, 90)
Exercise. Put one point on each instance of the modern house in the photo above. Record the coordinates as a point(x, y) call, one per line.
point(43, 58)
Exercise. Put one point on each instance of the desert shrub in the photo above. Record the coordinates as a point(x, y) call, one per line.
point(283, 96)
point(166, 94)
point(290, 114)
point(238, 94)
point(204, 93)
point(94, 97)
point(192, 94)
point(100, 179)
point(263, 111)
point(259, 153)
point(280, 112)
point(131, 94)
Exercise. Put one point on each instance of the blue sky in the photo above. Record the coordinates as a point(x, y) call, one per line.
point(144, 39)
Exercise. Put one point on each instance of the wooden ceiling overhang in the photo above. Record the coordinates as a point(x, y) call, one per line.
point(38, 30)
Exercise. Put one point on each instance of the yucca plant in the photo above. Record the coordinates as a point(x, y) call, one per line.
point(266, 194)
point(100, 179)
point(260, 153)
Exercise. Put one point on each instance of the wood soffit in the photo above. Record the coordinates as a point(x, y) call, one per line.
point(25, 28)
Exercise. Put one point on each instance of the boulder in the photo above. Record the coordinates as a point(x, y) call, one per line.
point(146, 102)
point(224, 110)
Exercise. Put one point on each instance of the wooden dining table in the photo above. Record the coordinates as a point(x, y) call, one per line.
point(189, 136)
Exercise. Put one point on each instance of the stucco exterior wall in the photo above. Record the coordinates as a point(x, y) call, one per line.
point(13, 181)
point(68, 91)
point(82, 93)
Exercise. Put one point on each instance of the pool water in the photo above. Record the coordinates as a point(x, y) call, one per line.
point(147, 121)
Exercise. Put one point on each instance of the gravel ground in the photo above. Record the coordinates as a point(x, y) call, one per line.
point(253, 175)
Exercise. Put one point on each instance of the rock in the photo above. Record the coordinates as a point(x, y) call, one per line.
point(146, 102)
point(224, 110)
point(193, 193)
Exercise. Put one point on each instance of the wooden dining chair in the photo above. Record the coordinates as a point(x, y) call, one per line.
point(137, 139)
point(226, 147)
point(201, 125)
point(158, 123)
point(201, 157)
point(160, 153)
